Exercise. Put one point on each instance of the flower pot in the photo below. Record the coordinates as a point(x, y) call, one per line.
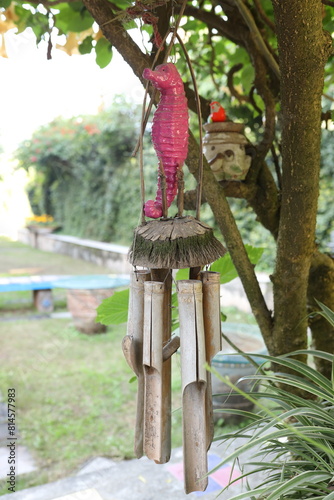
point(247, 338)
point(224, 146)
point(82, 305)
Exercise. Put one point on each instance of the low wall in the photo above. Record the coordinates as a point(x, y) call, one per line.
point(109, 255)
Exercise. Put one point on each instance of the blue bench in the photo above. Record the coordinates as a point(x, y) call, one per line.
point(42, 286)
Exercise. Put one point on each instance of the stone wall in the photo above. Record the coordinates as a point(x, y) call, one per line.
point(109, 255)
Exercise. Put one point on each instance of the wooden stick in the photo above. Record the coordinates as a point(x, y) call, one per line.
point(170, 348)
point(193, 385)
point(133, 348)
point(180, 192)
point(213, 337)
point(163, 185)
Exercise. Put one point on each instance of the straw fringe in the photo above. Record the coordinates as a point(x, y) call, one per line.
point(174, 244)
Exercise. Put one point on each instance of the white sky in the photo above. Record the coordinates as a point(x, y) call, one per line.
point(33, 90)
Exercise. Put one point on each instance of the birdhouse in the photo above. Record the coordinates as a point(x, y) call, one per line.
point(224, 146)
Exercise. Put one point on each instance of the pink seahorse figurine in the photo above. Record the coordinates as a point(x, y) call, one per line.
point(169, 131)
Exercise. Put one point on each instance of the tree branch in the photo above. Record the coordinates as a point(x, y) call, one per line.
point(232, 89)
point(224, 28)
point(263, 15)
point(263, 49)
point(113, 30)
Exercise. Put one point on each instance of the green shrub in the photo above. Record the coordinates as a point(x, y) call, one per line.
point(83, 174)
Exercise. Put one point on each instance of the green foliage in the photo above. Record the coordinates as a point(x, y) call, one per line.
point(294, 438)
point(114, 309)
point(103, 51)
point(225, 266)
point(326, 312)
point(83, 174)
point(73, 17)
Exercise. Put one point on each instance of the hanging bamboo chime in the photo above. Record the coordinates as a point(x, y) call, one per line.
point(161, 245)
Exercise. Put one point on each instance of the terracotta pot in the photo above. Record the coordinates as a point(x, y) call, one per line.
point(82, 305)
point(249, 340)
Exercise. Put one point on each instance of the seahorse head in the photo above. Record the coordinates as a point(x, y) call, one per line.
point(165, 76)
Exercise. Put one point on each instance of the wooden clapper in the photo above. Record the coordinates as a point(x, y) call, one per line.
point(148, 348)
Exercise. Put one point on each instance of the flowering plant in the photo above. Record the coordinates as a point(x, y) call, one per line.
point(40, 220)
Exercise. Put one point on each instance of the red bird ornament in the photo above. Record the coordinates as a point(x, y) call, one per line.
point(218, 113)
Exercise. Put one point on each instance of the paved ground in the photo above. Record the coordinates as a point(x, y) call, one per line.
point(103, 479)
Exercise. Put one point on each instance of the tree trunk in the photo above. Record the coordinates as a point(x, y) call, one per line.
point(321, 288)
point(302, 56)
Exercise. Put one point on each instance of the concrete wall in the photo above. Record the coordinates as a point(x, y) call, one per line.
point(109, 255)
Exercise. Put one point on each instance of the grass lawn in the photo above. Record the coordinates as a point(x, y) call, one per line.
point(74, 396)
point(19, 259)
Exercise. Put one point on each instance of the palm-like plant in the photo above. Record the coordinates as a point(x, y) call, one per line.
point(293, 441)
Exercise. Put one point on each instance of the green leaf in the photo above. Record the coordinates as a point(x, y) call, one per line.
point(226, 268)
point(130, 25)
point(114, 309)
point(122, 4)
point(103, 51)
point(4, 4)
point(326, 312)
point(71, 20)
point(86, 45)
point(308, 477)
point(182, 274)
point(77, 6)
point(247, 77)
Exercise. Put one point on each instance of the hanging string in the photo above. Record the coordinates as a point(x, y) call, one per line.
point(198, 107)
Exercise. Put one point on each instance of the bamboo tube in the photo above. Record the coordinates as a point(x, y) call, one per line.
point(133, 348)
point(193, 385)
point(153, 362)
point(213, 337)
point(165, 276)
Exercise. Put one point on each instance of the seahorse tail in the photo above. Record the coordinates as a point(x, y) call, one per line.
point(153, 209)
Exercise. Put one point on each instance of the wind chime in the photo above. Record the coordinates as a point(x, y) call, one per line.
point(161, 245)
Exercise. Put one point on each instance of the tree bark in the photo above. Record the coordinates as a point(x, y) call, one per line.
point(302, 57)
point(321, 288)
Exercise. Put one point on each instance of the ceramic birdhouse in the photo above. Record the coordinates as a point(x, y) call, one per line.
point(224, 146)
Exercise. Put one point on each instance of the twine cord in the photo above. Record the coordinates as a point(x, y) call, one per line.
point(199, 114)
